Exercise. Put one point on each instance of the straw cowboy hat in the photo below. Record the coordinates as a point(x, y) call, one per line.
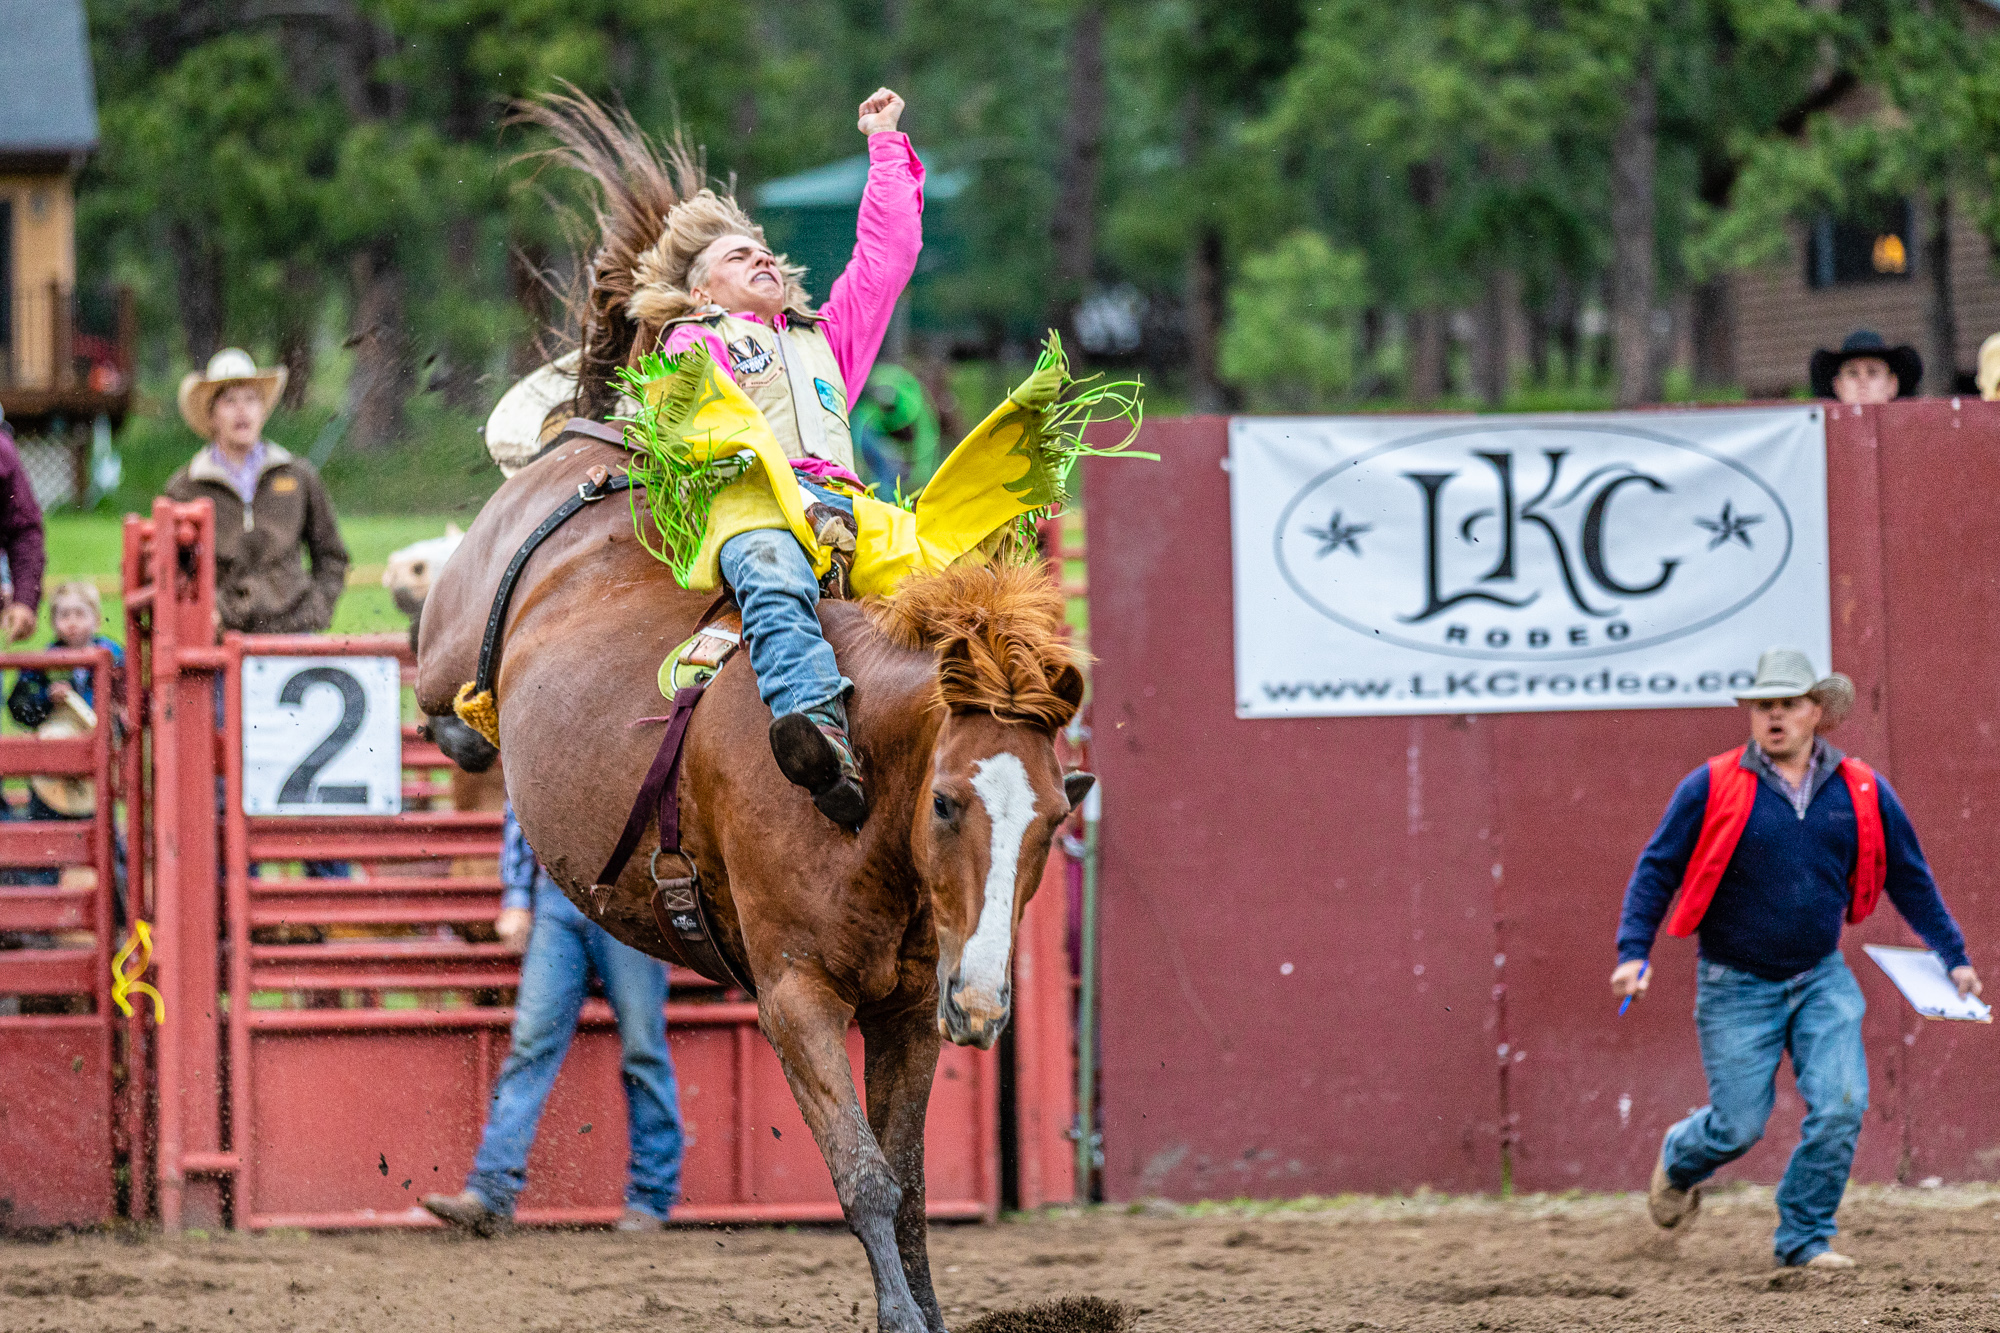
point(1988, 375)
point(231, 365)
point(1904, 362)
point(72, 796)
point(1787, 673)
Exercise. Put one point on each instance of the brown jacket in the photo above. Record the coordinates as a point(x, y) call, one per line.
point(261, 585)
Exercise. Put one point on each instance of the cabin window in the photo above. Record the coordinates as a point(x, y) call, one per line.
point(1878, 245)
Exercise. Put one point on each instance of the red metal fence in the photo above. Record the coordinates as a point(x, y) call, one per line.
point(58, 1028)
point(1370, 953)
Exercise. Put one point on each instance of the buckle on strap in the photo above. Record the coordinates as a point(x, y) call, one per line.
point(680, 889)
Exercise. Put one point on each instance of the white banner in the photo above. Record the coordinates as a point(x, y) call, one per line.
point(1509, 564)
point(322, 736)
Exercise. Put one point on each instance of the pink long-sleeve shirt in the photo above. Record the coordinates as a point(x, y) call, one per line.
point(889, 234)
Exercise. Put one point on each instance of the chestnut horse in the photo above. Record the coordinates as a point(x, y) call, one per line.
point(961, 682)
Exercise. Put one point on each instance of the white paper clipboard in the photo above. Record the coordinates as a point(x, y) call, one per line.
point(1920, 975)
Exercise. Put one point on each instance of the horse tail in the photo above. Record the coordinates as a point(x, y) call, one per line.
point(634, 182)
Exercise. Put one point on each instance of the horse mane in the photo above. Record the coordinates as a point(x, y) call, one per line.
point(1002, 644)
point(634, 183)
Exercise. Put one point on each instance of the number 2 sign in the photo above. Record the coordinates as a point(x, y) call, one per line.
point(322, 736)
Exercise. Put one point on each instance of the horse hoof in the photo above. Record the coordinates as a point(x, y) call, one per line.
point(844, 803)
point(462, 745)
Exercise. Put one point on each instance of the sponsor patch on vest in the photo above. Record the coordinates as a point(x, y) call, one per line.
point(284, 485)
point(830, 398)
point(747, 358)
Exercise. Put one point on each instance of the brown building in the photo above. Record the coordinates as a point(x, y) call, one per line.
point(1873, 271)
point(1845, 276)
point(65, 358)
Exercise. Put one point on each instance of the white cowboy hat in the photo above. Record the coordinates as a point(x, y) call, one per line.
point(71, 796)
point(231, 365)
point(1787, 673)
point(528, 415)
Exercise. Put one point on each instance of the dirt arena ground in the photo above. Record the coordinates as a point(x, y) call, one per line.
point(1930, 1259)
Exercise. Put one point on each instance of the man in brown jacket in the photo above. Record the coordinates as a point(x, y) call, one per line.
point(268, 504)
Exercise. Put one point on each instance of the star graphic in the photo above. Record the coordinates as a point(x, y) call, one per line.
point(1729, 526)
point(1337, 534)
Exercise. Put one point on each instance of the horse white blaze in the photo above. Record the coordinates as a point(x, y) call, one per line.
point(1002, 785)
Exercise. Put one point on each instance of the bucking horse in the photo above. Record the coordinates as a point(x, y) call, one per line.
point(962, 680)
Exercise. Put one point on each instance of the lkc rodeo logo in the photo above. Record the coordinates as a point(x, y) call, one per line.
point(1591, 538)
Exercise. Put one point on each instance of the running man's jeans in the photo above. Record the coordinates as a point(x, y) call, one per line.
point(565, 948)
point(776, 590)
point(1746, 1023)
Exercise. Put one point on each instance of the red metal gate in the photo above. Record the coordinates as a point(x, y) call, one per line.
point(353, 1075)
point(58, 1025)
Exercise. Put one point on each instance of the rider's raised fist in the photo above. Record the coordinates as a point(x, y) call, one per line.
point(880, 113)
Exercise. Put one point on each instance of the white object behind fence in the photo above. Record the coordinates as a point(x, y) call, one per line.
point(322, 736)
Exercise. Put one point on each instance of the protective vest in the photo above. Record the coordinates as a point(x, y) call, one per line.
point(1732, 791)
point(995, 475)
point(793, 379)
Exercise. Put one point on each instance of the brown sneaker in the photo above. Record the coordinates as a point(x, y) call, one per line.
point(1670, 1206)
point(1827, 1259)
point(634, 1219)
point(467, 1212)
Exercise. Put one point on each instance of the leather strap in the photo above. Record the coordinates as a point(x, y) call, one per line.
point(678, 910)
point(591, 491)
point(677, 903)
point(602, 432)
point(659, 794)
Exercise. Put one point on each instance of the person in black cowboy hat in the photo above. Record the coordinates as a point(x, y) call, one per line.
point(1866, 371)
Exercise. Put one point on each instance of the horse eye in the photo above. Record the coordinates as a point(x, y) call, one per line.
point(941, 806)
point(418, 569)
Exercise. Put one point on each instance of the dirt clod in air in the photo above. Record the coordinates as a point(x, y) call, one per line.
point(1070, 1314)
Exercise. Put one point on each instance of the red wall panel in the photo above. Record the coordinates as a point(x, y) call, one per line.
point(1941, 560)
point(1492, 853)
point(1297, 915)
point(55, 1123)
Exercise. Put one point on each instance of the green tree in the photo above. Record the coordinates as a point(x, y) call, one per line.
point(1294, 324)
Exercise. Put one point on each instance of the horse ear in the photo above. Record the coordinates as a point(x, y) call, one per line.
point(1068, 686)
point(1077, 785)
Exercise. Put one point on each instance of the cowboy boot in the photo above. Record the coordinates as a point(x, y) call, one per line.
point(813, 752)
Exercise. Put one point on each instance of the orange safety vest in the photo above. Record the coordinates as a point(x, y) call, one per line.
point(1732, 791)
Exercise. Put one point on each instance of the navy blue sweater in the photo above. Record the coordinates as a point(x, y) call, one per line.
point(1781, 902)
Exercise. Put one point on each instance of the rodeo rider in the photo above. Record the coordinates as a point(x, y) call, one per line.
point(718, 282)
point(1770, 846)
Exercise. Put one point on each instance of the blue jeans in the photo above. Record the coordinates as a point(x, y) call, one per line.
point(565, 948)
point(1746, 1024)
point(776, 590)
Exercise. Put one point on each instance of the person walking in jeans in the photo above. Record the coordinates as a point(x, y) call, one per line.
point(563, 949)
point(1771, 846)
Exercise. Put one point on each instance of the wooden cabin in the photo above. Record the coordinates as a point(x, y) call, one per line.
point(1868, 271)
point(65, 344)
point(1861, 273)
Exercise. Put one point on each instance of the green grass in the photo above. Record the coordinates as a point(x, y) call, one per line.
point(438, 467)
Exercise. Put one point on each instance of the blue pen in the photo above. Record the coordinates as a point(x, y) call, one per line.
point(1626, 1003)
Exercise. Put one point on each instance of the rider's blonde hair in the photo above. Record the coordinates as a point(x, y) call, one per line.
point(664, 274)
